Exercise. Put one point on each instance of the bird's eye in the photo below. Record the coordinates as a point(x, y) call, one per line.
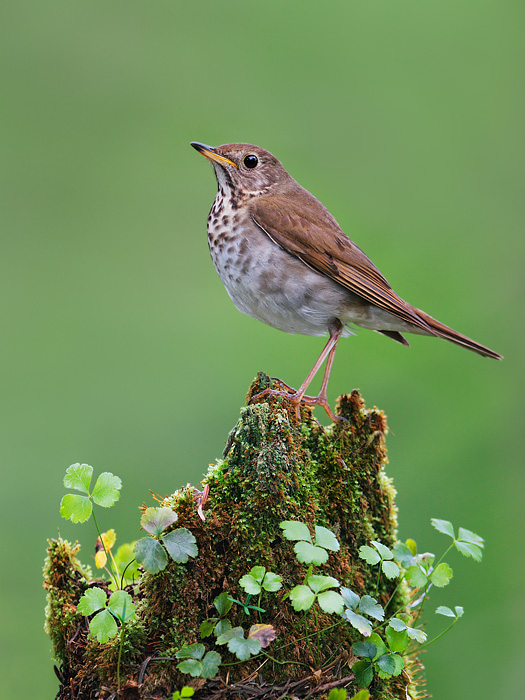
point(250, 161)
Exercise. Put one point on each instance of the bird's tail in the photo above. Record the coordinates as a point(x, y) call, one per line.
point(447, 333)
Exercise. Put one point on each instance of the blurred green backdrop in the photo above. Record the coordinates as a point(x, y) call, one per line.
point(120, 346)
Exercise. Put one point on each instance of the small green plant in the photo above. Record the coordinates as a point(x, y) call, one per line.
point(152, 552)
point(218, 625)
point(259, 636)
point(309, 552)
point(119, 608)
point(183, 693)
point(358, 607)
point(342, 694)
point(380, 555)
point(79, 508)
point(197, 662)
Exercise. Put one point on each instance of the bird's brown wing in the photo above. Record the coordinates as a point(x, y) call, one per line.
point(301, 225)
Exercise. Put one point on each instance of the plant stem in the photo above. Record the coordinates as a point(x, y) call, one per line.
point(427, 644)
point(378, 576)
point(427, 587)
point(120, 656)
point(113, 577)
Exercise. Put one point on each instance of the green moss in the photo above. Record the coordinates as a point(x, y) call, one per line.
point(65, 579)
point(274, 468)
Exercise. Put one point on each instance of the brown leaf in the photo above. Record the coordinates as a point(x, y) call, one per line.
point(264, 634)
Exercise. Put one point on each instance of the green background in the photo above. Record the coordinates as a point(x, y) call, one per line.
point(120, 347)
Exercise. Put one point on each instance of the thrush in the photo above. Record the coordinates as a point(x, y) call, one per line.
point(285, 261)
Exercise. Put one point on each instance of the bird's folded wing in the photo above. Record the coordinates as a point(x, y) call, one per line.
point(307, 230)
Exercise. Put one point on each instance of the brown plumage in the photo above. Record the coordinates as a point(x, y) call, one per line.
point(285, 261)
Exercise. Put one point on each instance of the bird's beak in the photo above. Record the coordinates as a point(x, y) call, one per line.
point(211, 154)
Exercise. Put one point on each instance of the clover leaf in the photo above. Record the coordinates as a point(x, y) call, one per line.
point(309, 552)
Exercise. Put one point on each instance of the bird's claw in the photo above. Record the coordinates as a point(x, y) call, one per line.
point(297, 399)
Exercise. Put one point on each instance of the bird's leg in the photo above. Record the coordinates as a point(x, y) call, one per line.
point(322, 399)
point(299, 396)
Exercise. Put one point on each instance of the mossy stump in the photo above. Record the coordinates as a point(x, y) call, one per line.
point(275, 468)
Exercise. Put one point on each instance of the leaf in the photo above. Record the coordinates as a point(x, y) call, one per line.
point(107, 490)
point(370, 606)
point(416, 634)
point(363, 672)
point(443, 526)
point(322, 583)
point(302, 597)
point(75, 508)
point(459, 611)
point(359, 622)
point(309, 554)
point(103, 626)
point(191, 651)
point(361, 695)
point(365, 649)
point(325, 538)
point(250, 584)
point(441, 575)
point(351, 599)
point(122, 606)
point(272, 582)
point(151, 554)
point(380, 645)
point(264, 634)
point(385, 552)
point(403, 554)
point(223, 604)
point(257, 572)
point(210, 664)
point(397, 640)
point(230, 634)
point(244, 648)
point(78, 477)
point(469, 550)
point(93, 599)
point(416, 576)
point(399, 664)
point(443, 610)
point(109, 538)
point(156, 520)
point(371, 556)
point(104, 543)
point(390, 569)
point(187, 692)
point(471, 537)
point(181, 545)
point(207, 627)
point(386, 664)
point(295, 530)
point(331, 602)
point(191, 666)
point(222, 627)
point(397, 624)
point(337, 694)
point(411, 544)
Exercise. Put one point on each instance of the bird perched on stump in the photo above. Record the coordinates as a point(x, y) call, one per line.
point(285, 261)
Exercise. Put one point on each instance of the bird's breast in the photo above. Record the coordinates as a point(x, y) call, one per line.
point(266, 282)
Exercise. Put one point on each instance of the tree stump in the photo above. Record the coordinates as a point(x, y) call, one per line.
point(275, 468)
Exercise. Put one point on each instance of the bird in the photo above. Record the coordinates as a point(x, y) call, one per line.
point(285, 261)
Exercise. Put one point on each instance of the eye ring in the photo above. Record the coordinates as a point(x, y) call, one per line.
point(250, 161)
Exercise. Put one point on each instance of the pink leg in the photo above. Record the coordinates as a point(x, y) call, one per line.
point(299, 397)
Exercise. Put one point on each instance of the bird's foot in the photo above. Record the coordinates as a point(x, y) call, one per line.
point(296, 398)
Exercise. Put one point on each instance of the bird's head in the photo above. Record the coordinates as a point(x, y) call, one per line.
point(244, 169)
